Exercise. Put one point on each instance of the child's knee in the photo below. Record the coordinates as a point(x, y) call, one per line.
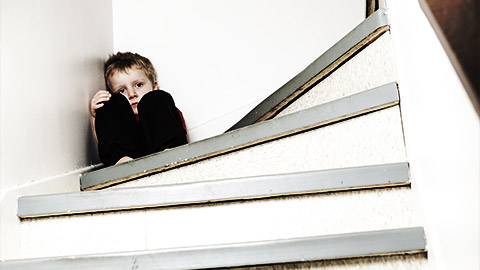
point(118, 99)
point(116, 102)
point(154, 98)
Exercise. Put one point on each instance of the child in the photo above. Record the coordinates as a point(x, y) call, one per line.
point(133, 118)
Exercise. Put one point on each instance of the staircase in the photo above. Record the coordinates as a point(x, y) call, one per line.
point(315, 176)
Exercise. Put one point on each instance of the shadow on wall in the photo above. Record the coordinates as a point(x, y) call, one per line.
point(94, 81)
point(91, 147)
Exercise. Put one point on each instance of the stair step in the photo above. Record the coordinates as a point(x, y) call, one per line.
point(219, 223)
point(341, 109)
point(340, 246)
point(375, 65)
point(386, 175)
point(374, 138)
point(362, 35)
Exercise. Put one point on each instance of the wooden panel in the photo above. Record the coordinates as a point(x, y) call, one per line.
point(372, 6)
point(456, 23)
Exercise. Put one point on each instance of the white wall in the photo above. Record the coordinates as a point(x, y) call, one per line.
point(219, 59)
point(442, 138)
point(51, 61)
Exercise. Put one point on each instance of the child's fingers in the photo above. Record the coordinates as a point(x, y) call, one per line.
point(98, 101)
point(102, 99)
point(95, 107)
point(99, 105)
point(101, 95)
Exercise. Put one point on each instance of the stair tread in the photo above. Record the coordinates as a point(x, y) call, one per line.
point(339, 246)
point(385, 175)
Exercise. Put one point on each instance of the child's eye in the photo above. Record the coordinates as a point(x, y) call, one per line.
point(139, 84)
point(121, 91)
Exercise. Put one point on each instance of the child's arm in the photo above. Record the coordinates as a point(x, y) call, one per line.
point(97, 102)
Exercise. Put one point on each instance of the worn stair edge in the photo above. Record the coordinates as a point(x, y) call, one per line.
point(386, 175)
point(337, 110)
point(339, 246)
point(362, 35)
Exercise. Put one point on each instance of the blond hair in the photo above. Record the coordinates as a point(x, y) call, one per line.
point(122, 61)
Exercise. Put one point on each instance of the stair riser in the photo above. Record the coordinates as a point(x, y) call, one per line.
point(372, 67)
point(218, 223)
point(374, 138)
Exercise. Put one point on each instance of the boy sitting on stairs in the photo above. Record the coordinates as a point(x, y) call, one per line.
point(133, 118)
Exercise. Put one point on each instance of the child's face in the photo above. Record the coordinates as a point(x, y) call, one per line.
point(133, 84)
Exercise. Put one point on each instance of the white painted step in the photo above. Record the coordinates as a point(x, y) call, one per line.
point(220, 223)
point(255, 145)
point(297, 250)
point(372, 139)
point(346, 179)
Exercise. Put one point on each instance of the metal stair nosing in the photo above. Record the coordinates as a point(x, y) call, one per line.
point(357, 39)
point(340, 246)
point(355, 178)
point(338, 110)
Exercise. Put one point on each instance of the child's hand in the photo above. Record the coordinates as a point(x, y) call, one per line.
point(98, 101)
